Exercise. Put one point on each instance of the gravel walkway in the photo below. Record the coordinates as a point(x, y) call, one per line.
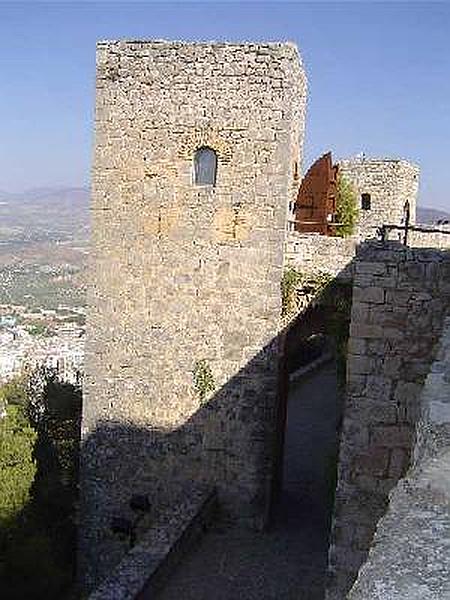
point(287, 563)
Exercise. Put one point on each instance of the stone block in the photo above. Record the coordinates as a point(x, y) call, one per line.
point(352, 560)
point(398, 297)
point(392, 366)
point(374, 461)
point(356, 385)
point(362, 330)
point(354, 434)
point(371, 268)
point(362, 537)
point(378, 347)
point(378, 386)
point(357, 346)
point(359, 364)
point(385, 486)
point(371, 411)
point(360, 313)
point(372, 295)
point(398, 463)
point(391, 436)
point(365, 482)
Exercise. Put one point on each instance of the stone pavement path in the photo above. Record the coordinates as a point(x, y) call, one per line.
point(288, 562)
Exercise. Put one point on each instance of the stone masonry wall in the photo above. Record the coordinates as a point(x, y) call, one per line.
point(410, 559)
point(390, 184)
point(427, 237)
point(185, 279)
point(312, 252)
point(400, 298)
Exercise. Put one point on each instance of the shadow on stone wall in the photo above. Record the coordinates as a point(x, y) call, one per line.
point(228, 442)
point(235, 442)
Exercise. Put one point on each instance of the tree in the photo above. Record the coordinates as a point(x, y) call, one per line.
point(39, 447)
point(17, 466)
point(55, 413)
point(14, 392)
point(347, 212)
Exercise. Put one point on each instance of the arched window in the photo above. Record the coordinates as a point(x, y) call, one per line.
point(205, 166)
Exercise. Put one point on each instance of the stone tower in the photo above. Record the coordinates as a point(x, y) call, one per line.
point(197, 146)
point(385, 188)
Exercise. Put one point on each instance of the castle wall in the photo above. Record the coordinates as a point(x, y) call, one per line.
point(313, 252)
point(400, 298)
point(409, 559)
point(423, 237)
point(181, 358)
point(390, 184)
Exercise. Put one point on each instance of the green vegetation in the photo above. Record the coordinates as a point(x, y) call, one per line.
point(346, 208)
point(293, 282)
point(203, 379)
point(38, 329)
point(302, 290)
point(290, 283)
point(14, 392)
point(17, 466)
point(39, 445)
point(339, 297)
point(25, 284)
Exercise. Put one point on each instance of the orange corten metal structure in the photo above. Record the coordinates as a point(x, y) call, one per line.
point(315, 207)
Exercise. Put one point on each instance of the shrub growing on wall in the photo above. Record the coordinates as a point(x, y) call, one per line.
point(310, 285)
point(346, 208)
point(203, 379)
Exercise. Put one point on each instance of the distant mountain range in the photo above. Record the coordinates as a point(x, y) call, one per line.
point(44, 235)
point(429, 216)
point(46, 193)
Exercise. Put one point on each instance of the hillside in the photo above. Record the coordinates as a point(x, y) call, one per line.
point(430, 216)
point(44, 236)
point(44, 215)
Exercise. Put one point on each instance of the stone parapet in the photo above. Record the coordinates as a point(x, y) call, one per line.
point(312, 252)
point(148, 564)
point(400, 298)
point(410, 557)
point(422, 236)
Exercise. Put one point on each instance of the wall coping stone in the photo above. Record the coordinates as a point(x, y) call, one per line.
point(146, 566)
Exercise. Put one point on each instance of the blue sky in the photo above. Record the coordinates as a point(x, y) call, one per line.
point(379, 78)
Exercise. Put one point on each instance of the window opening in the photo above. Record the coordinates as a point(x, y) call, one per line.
point(365, 201)
point(205, 166)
